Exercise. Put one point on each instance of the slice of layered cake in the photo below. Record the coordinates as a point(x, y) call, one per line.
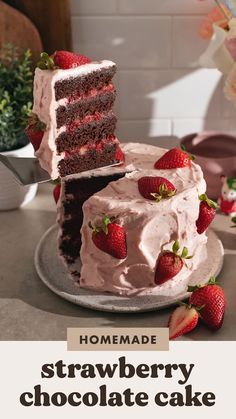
point(72, 126)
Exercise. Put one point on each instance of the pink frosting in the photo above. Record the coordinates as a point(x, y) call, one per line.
point(151, 227)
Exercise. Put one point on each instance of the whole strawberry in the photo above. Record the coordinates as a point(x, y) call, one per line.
point(211, 299)
point(155, 188)
point(170, 263)
point(173, 159)
point(110, 238)
point(56, 192)
point(35, 131)
point(183, 320)
point(61, 59)
point(207, 212)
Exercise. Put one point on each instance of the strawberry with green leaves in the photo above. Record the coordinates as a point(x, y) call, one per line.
point(61, 60)
point(212, 300)
point(170, 263)
point(155, 188)
point(173, 159)
point(35, 131)
point(207, 212)
point(110, 237)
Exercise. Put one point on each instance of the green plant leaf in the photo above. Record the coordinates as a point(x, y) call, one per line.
point(16, 92)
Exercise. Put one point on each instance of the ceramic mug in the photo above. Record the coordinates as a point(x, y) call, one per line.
point(215, 152)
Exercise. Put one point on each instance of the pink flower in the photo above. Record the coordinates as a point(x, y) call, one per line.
point(216, 16)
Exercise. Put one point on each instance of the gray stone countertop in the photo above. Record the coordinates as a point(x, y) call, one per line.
point(30, 311)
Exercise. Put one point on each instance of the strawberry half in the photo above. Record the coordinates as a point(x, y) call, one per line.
point(110, 238)
point(173, 159)
point(61, 59)
point(169, 264)
point(155, 188)
point(207, 212)
point(212, 299)
point(35, 131)
point(183, 320)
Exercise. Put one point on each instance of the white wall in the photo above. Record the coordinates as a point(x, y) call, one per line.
point(156, 45)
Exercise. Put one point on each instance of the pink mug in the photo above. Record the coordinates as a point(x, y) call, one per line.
point(215, 152)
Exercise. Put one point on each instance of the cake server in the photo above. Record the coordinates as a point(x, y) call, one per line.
point(26, 170)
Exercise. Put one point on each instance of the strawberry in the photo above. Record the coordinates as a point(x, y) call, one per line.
point(66, 59)
point(174, 158)
point(207, 212)
point(56, 192)
point(170, 263)
point(155, 188)
point(110, 238)
point(61, 59)
point(183, 320)
point(212, 300)
point(35, 131)
point(119, 155)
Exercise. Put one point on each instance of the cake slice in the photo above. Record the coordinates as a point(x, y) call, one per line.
point(73, 118)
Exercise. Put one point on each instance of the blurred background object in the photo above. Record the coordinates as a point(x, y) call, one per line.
point(52, 20)
point(18, 30)
point(215, 152)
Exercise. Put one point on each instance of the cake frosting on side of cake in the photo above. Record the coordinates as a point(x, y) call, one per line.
point(151, 228)
point(75, 106)
point(76, 189)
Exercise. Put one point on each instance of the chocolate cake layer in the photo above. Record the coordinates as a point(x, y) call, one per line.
point(81, 190)
point(87, 133)
point(81, 108)
point(70, 248)
point(82, 84)
point(92, 159)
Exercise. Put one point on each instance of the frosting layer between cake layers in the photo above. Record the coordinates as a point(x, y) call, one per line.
point(150, 227)
point(76, 107)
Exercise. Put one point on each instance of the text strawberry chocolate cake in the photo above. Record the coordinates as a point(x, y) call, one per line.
point(72, 125)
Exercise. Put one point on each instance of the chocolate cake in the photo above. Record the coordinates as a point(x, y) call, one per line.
point(73, 101)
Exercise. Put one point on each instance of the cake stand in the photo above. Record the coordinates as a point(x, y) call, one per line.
point(55, 276)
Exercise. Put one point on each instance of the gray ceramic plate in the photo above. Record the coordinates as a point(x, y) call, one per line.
point(53, 273)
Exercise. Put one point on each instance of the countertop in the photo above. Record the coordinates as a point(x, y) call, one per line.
point(30, 311)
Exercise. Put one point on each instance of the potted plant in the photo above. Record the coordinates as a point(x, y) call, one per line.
point(16, 82)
